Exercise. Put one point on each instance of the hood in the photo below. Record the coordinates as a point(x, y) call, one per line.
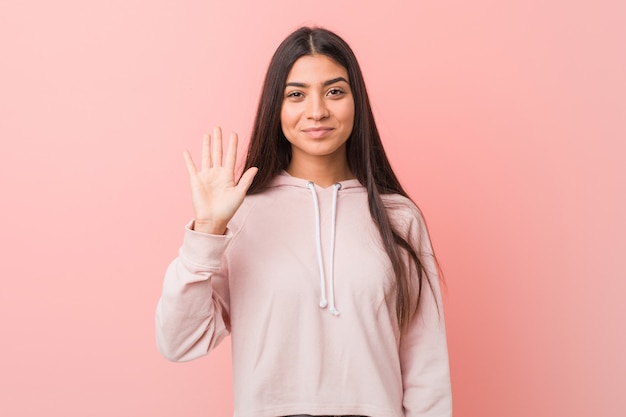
point(284, 179)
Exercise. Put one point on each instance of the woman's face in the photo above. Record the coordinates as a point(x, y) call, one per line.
point(317, 113)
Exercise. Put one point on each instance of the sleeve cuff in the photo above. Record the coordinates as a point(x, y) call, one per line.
point(202, 249)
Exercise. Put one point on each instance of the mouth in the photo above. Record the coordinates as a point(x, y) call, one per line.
point(318, 131)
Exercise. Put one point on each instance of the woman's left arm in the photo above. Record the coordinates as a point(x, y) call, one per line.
point(423, 347)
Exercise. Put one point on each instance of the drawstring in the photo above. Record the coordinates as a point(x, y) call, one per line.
point(318, 235)
point(331, 283)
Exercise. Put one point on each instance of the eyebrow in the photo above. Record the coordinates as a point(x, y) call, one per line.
point(325, 83)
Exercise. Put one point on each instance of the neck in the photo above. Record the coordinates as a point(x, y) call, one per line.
point(322, 171)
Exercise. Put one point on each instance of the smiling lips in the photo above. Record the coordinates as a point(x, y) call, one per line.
point(317, 132)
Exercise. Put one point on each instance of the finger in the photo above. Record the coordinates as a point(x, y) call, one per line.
point(191, 167)
point(216, 147)
point(206, 151)
point(246, 179)
point(231, 153)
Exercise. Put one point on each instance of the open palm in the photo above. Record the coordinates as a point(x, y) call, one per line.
point(215, 194)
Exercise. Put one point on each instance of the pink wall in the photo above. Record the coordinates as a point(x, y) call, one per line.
point(506, 121)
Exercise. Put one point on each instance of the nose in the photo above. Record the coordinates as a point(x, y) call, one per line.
point(317, 109)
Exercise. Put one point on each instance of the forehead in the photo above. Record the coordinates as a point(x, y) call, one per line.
point(316, 68)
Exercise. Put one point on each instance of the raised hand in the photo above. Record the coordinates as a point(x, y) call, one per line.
point(215, 194)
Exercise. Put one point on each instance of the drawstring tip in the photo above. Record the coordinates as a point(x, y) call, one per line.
point(334, 311)
point(323, 304)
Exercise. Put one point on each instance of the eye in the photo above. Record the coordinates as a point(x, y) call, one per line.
point(294, 94)
point(335, 91)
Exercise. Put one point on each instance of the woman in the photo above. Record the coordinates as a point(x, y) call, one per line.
point(315, 262)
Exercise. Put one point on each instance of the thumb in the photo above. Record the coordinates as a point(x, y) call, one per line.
point(246, 179)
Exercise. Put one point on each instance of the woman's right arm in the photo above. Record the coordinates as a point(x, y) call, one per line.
point(192, 313)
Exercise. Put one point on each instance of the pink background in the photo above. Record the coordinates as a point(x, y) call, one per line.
point(506, 120)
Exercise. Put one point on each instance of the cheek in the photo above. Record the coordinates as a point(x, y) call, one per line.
point(347, 114)
point(288, 122)
point(287, 117)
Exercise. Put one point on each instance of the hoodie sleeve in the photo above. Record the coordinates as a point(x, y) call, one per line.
point(423, 348)
point(192, 313)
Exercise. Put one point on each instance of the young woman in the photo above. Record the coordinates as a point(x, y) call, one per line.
point(315, 262)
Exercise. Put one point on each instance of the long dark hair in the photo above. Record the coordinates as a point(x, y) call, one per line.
point(271, 152)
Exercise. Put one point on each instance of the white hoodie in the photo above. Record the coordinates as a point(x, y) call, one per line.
point(303, 284)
